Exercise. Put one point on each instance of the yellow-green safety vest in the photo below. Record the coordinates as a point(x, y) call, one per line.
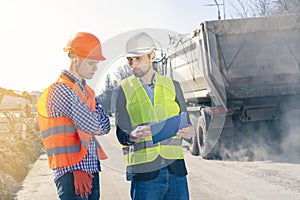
point(141, 111)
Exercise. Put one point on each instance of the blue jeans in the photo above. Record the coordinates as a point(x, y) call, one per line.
point(66, 190)
point(166, 186)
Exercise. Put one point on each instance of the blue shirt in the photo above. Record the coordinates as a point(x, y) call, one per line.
point(64, 101)
point(150, 89)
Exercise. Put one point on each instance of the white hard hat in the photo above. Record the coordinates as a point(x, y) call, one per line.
point(139, 44)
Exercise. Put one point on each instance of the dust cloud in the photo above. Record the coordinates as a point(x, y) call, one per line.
point(278, 142)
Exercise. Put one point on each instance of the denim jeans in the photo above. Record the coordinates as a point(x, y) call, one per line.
point(166, 186)
point(66, 190)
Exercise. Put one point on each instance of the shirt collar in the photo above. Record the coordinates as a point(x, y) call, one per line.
point(74, 78)
point(153, 81)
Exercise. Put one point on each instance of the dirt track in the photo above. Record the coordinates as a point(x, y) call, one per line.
point(207, 179)
point(234, 180)
point(243, 180)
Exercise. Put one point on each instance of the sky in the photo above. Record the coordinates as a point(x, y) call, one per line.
point(34, 32)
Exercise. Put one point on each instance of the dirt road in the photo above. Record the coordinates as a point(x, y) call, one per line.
point(215, 180)
point(234, 180)
point(207, 179)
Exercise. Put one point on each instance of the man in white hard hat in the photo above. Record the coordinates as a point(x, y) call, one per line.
point(156, 170)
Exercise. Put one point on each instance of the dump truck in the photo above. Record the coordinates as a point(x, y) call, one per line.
point(241, 81)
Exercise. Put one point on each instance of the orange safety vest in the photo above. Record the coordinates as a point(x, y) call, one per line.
point(65, 143)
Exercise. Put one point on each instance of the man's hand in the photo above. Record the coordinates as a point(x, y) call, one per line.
point(186, 133)
point(82, 182)
point(139, 133)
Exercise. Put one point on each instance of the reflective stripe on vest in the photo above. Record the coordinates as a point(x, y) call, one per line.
point(65, 144)
point(59, 142)
point(147, 144)
point(141, 111)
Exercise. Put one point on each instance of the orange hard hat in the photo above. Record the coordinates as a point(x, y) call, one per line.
point(85, 45)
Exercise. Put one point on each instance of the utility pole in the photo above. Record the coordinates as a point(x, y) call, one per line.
point(218, 6)
point(224, 9)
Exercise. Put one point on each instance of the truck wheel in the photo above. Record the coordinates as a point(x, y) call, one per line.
point(201, 136)
point(194, 147)
point(194, 144)
point(207, 151)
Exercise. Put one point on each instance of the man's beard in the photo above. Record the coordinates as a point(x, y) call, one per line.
point(138, 72)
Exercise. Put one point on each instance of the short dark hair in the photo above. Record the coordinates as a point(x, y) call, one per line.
point(71, 54)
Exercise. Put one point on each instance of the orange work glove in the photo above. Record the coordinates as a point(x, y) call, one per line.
point(82, 182)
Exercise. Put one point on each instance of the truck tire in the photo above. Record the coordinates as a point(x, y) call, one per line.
point(202, 136)
point(194, 144)
point(194, 147)
point(213, 152)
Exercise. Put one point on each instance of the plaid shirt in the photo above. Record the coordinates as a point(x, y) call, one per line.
point(64, 101)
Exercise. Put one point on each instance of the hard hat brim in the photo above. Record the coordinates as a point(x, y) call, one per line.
point(139, 53)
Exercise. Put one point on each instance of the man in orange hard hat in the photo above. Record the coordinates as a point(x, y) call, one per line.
point(69, 118)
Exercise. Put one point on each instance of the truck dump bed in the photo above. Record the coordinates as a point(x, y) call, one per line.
point(244, 58)
point(260, 56)
point(250, 69)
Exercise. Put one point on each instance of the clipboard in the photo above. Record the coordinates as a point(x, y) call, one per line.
point(168, 128)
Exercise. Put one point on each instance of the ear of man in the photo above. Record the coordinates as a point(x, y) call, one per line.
point(152, 56)
point(77, 62)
